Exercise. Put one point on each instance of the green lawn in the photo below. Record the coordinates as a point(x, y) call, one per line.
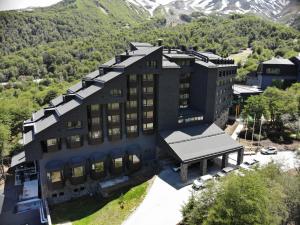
point(93, 210)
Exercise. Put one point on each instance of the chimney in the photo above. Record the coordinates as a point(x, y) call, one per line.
point(169, 50)
point(159, 42)
point(127, 53)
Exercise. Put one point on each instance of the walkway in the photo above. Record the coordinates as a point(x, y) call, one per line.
point(162, 205)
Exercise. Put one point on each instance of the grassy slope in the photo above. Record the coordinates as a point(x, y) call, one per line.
point(93, 211)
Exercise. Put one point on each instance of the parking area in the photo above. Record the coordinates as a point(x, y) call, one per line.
point(162, 205)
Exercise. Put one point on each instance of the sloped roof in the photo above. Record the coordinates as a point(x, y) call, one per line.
point(278, 61)
point(197, 142)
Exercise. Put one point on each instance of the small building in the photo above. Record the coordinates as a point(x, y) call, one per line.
point(286, 71)
point(240, 95)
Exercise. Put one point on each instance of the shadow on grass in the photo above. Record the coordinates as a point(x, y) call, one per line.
point(82, 207)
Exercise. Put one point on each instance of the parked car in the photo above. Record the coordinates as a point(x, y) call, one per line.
point(251, 162)
point(269, 151)
point(201, 181)
point(220, 174)
point(228, 169)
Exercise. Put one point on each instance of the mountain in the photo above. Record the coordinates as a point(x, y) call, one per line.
point(281, 10)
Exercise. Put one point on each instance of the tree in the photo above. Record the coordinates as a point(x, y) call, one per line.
point(4, 138)
point(51, 94)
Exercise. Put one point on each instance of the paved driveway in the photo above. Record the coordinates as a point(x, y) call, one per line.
point(163, 202)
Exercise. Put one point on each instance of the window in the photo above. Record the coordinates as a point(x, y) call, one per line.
point(185, 76)
point(148, 77)
point(54, 176)
point(184, 96)
point(74, 140)
point(148, 90)
point(95, 134)
point(118, 163)
point(95, 120)
point(184, 85)
point(98, 167)
point(152, 64)
point(132, 77)
point(275, 71)
point(131, 129)
point(77, 171)
point(133, 159)
point(74, 124)
point(113, 106)
point(95, 108)
point(183, 104)
point(148, 114)
point(148, 126)
point(131, 116)
point(114, 131)
point(52, 142)
point(114, 119)
point(132, 91)
point(116, 92)
point(131, 104)
point(147, 102)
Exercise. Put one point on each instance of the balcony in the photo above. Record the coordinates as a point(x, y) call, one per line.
point(148, 95)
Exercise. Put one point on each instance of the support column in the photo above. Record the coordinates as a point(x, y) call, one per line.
point(225, 160)
point(240, 156)
point(184, 172)
point(203, 167)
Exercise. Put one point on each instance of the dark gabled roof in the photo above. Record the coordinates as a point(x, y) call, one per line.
point(93, 74)
point(56, 101)
point(107, 77)
point(86, 92)
point(43, 123)
point(278, 61)
point(131, 60)
point(197, 142)
point(178, 56)
point(143, 51)
point(167, 64)
point(75, 87)
point(68, 106)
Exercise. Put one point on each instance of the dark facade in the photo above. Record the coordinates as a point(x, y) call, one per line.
point(106, 126)
point(286, 71)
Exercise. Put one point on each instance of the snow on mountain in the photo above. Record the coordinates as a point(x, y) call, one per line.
point(269, 8)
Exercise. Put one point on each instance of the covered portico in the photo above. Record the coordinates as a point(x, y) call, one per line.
point(197, 144)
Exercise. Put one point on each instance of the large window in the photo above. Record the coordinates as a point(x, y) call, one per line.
point(113, 106)
point(274, 71)
point(74, 141)
point(131, 116)
point(148, 114)
point(131, 104)
point(116, 92)
point(151, 64)
point(131, 129)
point(95, 108)
point(148, 126)
point(118, 163)
point(52, 142)
point(147, 102)
point(132, 91)
point(98, 167)
point(77, 171)
point(114, 118)
point(95, 120)
point(94, 135)
point(74, 124)
point(148, 77)
point(54, 176)
point(132, 77)
point(148, 90)
point(133, 159)
point(114, 131)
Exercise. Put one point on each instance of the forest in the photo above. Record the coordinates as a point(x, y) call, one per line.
point(60, 44)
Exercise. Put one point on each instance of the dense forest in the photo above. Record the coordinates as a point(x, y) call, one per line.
point(61, 44)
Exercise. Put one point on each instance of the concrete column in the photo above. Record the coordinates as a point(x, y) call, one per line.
point(184, 172)
point(203, 167)
point(240, 156)
point(224, 160)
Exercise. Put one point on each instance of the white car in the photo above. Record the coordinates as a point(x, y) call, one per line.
point(201, 181)
point(228, 169)
point(269, 151)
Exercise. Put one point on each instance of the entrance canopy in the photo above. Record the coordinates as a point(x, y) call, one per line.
point(191, 144)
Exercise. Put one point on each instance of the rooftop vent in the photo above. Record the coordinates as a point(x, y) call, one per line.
point(86, 81)
point(28, 127)
point(68, 97)
point(159, 42)
point(49, 111)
